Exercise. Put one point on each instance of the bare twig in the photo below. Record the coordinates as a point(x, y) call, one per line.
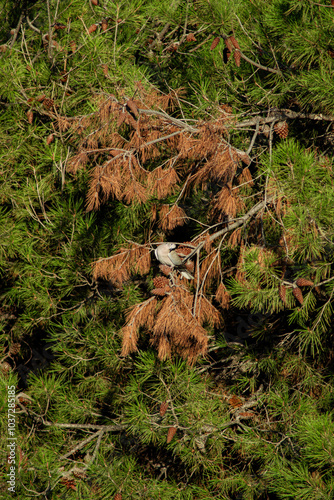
point(258, 65)
point(116, 31)
point(98, 442)
point(254, 136)
point(105, 428)
point(160, 36)
point(32, 26)
point(282, 114)
point(240, 222)
point(16, 32)
point(80, 445)
point(50, 31)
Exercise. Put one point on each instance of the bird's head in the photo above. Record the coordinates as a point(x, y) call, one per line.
point(171, 246)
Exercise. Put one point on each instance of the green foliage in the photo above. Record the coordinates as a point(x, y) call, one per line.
point(254, 419)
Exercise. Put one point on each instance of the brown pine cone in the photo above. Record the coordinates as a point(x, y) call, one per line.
point(160, 291)
point(5, 367)
point(237, 58)
point(298, 294)
point(14, 348)
point(215, 43)
point(282, 129)
point(229, 44)
point(160, 282)
point(183, 251)
point(163, 408)
point(48, 103)
point(304, 282)
point(171, 433)
point(165, 269)
point(30, 116)
point(191, 37)
point(282, 293)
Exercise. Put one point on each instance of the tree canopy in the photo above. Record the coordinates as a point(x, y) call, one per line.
point(126, 124)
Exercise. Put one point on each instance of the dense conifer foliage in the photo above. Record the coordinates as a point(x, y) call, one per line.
point(205, 123)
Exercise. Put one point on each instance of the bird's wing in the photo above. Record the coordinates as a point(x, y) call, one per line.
point(176, 261)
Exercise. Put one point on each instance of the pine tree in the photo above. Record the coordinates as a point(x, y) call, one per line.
point(126, 125)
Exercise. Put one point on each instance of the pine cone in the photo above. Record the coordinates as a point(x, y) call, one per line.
point(298, 294)
point(235, 401)
point(304, 282)
point(5, 367)
point(229, 44)
point(282, 293)
point(104, 24)
point(49, 139)
point(234, 42)
point(191, 37)
point(163, 408)
point(160, 291)
point(165, 269)
point(30, 116)
point(118, 496)
point(215, 43)
point(59, 26)
point(171, 433)
point(48, 103)
point(160, 282)
point(92, 28)
point(282, 129)
point(183, 251)
point(14, 348)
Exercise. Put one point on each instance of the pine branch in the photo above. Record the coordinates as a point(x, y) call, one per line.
point(281, 115)
point(175, 121)
point(16, 31)
point(80, 445)
point(258, 65)
point(239, 222)
point(105, 428)
point(32, 26)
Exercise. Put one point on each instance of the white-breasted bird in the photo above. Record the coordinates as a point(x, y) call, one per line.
point(166, 255)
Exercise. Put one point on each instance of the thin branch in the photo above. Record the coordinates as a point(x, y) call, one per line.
point(98, 442)
point(240, 222)
point(50, 31)
point(105, 428)
point(16, 32)
point(254, 136)
point(116, 31)
point(322, 311)
point(159, 36)
point(258, 65)
point(282, 114)
point(32, 26)
point(80, 445)
point(175, 121)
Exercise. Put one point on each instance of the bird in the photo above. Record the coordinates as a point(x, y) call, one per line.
point(167, 255)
